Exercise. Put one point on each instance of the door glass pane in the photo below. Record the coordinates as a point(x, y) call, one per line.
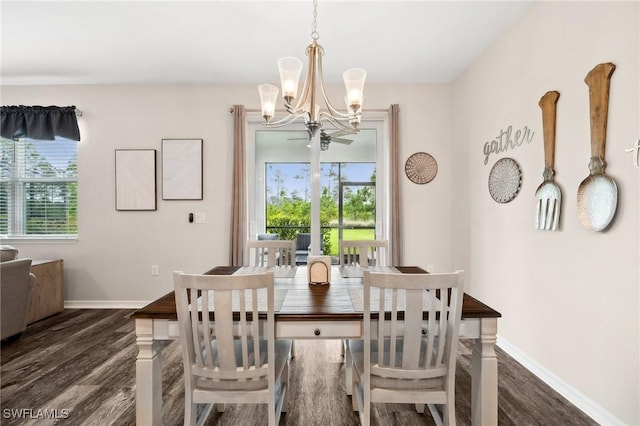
point(358, 211)
point(283, 179)
point(347, 208)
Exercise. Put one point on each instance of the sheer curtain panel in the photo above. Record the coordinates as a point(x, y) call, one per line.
point(238, 232)
point(396, 194)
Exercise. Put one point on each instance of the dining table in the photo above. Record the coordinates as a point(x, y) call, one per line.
point(310, 311)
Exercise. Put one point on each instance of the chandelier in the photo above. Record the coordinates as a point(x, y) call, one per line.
point(306, 106)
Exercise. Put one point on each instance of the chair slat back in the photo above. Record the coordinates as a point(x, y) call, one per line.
point(363, 252)
point(418, 318)
point(270, 253)
point(219, 318)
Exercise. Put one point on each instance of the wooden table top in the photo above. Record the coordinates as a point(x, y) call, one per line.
point(299, 301)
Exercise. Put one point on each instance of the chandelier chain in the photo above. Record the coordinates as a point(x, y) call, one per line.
point(314, 26)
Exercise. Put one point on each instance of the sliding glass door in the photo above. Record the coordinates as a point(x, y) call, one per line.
point(352, 196)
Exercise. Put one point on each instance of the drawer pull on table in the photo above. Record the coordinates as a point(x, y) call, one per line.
point(316, 331)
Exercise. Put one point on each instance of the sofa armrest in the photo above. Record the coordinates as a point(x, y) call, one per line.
point(32, 281)
point(16, 286)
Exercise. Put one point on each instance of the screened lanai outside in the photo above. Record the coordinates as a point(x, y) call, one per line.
point(352, 199)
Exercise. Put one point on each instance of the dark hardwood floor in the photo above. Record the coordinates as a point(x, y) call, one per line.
point(79, 365)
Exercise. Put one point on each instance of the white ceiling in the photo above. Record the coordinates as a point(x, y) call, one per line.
point(227, 42)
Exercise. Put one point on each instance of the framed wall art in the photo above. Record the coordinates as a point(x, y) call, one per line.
point(182, 169)
point(136, 179)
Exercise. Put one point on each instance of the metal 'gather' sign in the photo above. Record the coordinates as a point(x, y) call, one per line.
point(505, 141)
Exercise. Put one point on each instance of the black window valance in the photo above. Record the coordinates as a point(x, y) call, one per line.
point(39, 122)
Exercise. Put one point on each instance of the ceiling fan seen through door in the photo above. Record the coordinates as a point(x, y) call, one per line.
point(326, 139)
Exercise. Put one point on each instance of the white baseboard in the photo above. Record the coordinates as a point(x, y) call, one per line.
point(590, 408)
point(105, 304)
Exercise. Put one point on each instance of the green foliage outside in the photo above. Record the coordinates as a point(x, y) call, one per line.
point(288, 214)
point(351, 234)
point(51, 209)
point(288, 217)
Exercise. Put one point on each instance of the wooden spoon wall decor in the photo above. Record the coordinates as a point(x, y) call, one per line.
point(598, 193)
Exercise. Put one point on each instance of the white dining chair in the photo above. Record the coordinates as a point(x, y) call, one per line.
point(267, 253)
point(408, 354)
point(363, 252)
point(358, 254)
point(227, 334)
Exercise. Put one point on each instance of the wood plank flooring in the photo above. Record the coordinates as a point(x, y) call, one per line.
point(83, 361)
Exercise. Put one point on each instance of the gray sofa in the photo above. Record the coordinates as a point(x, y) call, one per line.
point(16, 286)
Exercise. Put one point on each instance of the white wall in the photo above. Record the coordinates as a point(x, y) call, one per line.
point(569, 299)
point(111, 260)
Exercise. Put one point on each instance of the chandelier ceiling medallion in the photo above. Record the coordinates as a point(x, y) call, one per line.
point(306, 106)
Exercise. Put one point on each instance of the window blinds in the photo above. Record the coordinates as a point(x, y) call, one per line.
point(38, 188)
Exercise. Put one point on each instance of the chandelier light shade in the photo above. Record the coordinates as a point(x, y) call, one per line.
point(268, 98)
point(290, 70)
point(307, 105)
point(354, 82)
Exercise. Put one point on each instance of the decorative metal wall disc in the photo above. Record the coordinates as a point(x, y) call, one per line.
point(505, 179)
point(421, 168)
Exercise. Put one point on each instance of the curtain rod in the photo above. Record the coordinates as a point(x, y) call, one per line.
point(76, 110)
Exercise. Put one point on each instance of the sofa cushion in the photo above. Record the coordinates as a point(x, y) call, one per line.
point(8, 253)
point(268, 236)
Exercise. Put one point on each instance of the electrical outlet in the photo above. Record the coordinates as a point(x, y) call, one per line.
point(155, 270)
point(430, 269)
point(201, 218)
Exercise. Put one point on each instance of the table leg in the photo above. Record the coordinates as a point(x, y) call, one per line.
point(348, 365)
point(484, 375)
point(148, 375)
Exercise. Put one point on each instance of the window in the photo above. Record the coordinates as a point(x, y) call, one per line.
point(38, 188)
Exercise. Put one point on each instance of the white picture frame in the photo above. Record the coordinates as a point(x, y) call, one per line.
point(135, 171)
point(182, 169)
